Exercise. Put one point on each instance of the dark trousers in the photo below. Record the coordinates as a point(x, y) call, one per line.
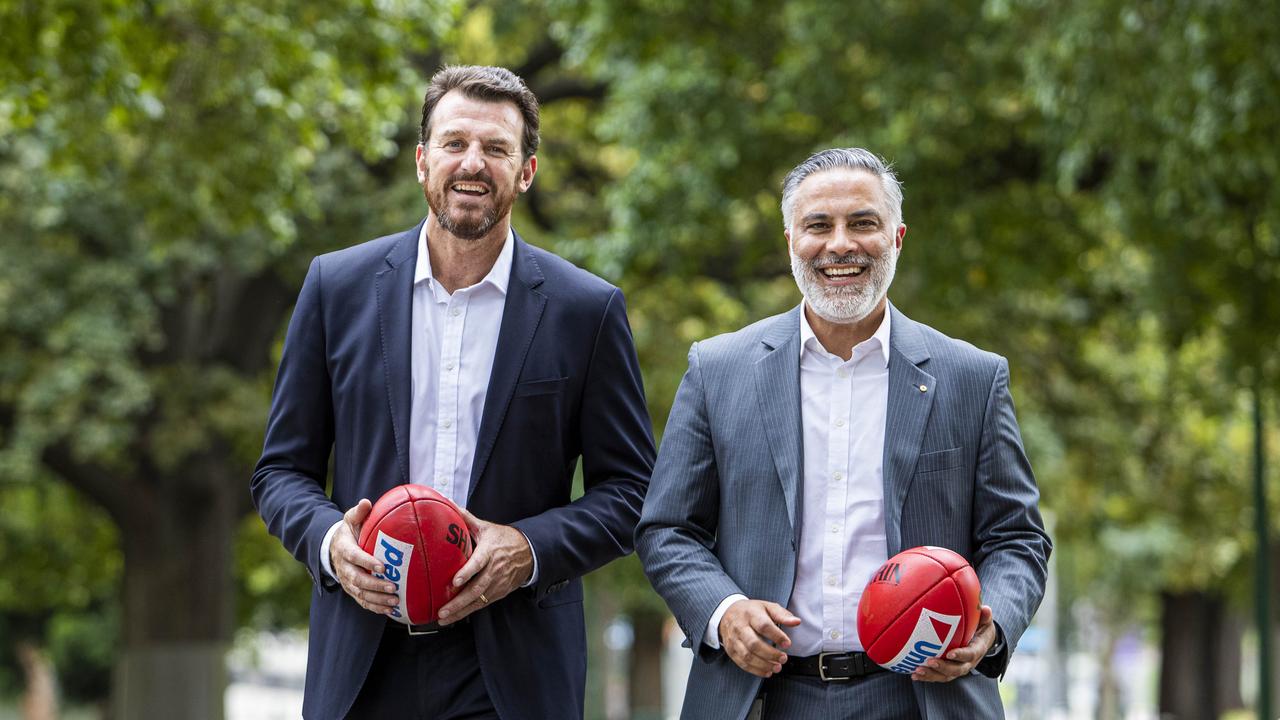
point(882, 696)
point(429, 677)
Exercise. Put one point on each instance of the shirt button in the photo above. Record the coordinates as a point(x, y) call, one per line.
point(447, 424)
point(455, 312)
point(842, 374)
point(840, 423)
point(443, 482)
point(837, 477)
point(835, 529)
point(831, 580)
point(448, 366)
point(835, 634)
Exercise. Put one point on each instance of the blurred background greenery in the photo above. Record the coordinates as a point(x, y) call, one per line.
point(1091, 190)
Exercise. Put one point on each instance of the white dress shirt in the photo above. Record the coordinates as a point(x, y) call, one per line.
point(454, 340)
point(843, 405)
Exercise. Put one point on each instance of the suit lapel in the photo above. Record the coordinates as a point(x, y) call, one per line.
point(778, 393)
point(520, 316)
point(908, 412)
point(394, 288)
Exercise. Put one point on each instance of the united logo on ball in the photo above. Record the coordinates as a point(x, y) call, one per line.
point(422, 542)
point(920, 604)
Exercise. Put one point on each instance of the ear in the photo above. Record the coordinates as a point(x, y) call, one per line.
point(787, 234)
point(897, 239)
point(527, 172)
point(420, 160)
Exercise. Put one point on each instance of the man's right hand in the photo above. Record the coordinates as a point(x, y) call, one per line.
point(751, 633)
point(354, 567)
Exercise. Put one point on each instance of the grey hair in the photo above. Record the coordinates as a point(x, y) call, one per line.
point(854, 158)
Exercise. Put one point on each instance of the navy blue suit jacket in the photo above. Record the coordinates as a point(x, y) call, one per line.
point(565, 384)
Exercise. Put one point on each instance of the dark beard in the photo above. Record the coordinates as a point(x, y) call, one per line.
point(464, 228)
point(467, 229)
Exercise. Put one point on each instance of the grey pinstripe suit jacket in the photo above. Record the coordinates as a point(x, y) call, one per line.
point(721, 513)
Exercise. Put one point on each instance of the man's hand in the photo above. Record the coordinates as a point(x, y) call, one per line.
point(960, 661)
point(751, 634)
point(354, 567)
point(501, 562)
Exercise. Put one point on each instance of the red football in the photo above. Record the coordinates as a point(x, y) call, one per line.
point(920, 604)
point(422, 541)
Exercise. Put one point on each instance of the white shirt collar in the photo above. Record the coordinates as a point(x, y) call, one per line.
point(499, 275)
point(880, 338)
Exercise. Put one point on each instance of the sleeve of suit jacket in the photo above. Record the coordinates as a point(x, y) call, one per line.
point(1011, 546)
point(288, 483)
point(617, 458)
point(677, 531)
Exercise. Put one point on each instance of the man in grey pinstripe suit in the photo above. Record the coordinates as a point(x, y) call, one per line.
point(804, 450)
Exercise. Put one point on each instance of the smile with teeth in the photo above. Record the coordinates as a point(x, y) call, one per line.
point(468, 188)
point(835, 272)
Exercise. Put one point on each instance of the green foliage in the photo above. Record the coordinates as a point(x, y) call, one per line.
point(83, 646)
point(62, 574)
point(274, 590)
point(154, 157)
point(60, 552)
point(1181, 144)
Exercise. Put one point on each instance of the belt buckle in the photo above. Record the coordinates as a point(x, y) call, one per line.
point(822, 668)
point(430, 629)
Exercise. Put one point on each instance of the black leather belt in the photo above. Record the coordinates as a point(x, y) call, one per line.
point(830, 666)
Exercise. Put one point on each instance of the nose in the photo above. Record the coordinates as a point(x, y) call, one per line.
point(844, 241)
point(472, 159)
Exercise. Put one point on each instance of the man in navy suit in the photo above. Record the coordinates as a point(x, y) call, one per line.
point(455, 356)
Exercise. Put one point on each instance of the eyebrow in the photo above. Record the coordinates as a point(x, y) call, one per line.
point(866, 212)
point(492, 140)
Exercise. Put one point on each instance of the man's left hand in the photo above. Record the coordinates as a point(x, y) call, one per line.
point(501, 562)
point(960, 661)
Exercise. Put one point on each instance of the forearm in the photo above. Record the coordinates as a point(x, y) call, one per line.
point(572, 540)
point(288, 482)
point(296, 510)
point(677, 529)
point(1011, 546)
point(686, 575)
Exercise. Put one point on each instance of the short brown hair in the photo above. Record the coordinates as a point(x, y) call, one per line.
point(478, 82)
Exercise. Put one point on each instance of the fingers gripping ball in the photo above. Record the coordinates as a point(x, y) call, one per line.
point(920, 604)
point(422, 541)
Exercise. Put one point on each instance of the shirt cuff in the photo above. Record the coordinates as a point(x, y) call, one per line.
point(533, 577)
point(712, 637)
point(998, 646)
point(324, 551)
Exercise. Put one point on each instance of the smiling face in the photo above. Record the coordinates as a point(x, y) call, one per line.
point(844, 244)
point(471, 167)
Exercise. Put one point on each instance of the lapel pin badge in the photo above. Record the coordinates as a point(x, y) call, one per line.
point(924, 388)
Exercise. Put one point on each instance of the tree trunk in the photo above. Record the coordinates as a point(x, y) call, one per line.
point(1230, 660)
point(178, 595)
point(40, 696)
point(646, 665)
point(1108, 689)
point(599, 610)
point(1199, 658)
point(1275, 617)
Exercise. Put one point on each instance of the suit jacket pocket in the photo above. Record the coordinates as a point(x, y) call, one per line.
point(541, 387)
point(939, 460)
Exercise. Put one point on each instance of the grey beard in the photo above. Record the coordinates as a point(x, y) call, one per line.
point(848, 304)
